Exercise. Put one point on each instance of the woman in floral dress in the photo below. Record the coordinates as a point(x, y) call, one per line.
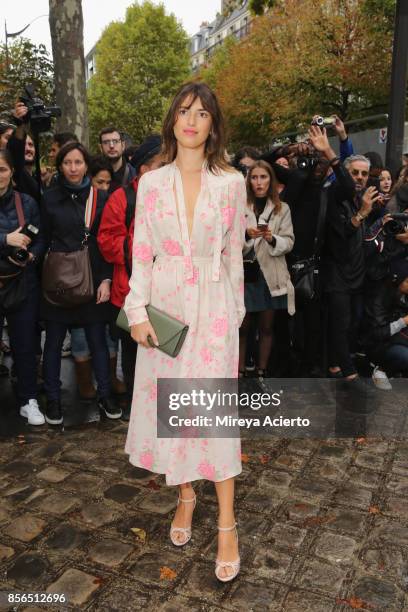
point(187, 261)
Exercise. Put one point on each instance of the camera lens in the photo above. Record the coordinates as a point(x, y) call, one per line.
point(21, 255)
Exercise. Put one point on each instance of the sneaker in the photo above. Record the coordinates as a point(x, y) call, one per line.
point(53, 412)
point(32, 413)
point(380, 379)
point(66, 347)
point(109, 408)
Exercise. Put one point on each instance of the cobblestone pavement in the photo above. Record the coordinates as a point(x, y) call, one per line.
point(323, 526)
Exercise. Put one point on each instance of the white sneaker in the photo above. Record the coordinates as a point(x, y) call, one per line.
point(32, 413)
point(380, 379)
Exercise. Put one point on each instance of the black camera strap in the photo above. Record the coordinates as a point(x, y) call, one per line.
point(321, 222)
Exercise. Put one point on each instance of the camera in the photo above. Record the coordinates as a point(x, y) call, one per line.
point(21, 255)
point(397, 225)
point(39, 115)
point(324, 121)
point(307, 163)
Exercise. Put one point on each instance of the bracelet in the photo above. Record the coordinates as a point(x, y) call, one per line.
point(359, 217)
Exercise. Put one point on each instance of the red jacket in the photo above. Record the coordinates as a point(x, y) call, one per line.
point(111, 235)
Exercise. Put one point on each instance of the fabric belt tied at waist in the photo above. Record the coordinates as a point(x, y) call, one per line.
point(190, 261)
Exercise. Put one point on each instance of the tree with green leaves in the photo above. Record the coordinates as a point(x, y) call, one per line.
point(139, 65)
point(24, 63)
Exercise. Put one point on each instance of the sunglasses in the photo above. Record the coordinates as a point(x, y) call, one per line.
point(363, 173)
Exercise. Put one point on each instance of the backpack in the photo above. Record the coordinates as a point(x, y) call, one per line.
point(130, 194)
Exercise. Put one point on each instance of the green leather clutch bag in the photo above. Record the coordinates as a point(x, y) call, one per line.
point(170, 332)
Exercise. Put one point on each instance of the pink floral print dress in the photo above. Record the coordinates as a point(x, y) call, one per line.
point(199, 280)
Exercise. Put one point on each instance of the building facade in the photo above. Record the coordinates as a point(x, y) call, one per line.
point(212, 35)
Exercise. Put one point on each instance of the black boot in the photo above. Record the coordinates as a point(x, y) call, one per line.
point(109, 408)
point(53, 412)
point(126, 412)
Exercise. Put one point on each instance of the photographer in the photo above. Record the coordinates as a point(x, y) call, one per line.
point(306, 193)
point(344, 267)
point(19, 296)
point(386, 320)
point(22, 149)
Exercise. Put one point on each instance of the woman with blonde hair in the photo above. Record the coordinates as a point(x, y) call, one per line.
point(187, 261)
point(268, 238)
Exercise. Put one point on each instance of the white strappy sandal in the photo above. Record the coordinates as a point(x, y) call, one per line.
point(186, 531)
point(234, 565)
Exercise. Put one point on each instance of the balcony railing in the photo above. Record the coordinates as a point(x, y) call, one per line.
point(238, 34)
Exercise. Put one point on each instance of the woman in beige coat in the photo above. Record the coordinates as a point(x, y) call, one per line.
point(269, 236)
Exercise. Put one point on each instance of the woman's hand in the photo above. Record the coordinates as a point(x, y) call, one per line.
point(254, 232)
point(103, 292)
point(140, 333)
point(17, 239)
point(268, 235)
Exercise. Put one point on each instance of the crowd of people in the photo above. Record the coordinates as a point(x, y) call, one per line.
point(324, 255)
point(293, 271)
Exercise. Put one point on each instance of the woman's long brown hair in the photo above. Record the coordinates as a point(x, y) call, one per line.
point(272, 193)
point(215, 146)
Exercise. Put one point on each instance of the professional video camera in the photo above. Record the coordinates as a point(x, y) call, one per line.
point(39, 115)
point(397, 225)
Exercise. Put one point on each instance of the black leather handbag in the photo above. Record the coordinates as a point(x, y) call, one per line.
point(305, 273)
point(251, 267)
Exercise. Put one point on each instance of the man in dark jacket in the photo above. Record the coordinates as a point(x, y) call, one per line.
point(344, 265)
point(115, 239)
point(112, 147)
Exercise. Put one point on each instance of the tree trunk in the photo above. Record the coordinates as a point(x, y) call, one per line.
point(66, 26)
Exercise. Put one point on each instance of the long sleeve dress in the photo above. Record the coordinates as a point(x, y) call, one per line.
point(199, 280)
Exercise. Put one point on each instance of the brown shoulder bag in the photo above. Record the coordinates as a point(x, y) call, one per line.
point(67, 277)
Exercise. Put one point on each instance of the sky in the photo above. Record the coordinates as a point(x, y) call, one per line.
point(97, 15)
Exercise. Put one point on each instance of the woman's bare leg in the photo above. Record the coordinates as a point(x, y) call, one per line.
point(227, 540)
point(184, 512)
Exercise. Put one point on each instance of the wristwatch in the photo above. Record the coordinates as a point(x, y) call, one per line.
point(359, 216)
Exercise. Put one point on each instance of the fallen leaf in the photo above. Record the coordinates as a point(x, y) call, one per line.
point(302, 507)
point(361, 440)
point(374, 510)
point(98, 581)
point(356, 603)
point(152, 484)
point(139, 533)
point(318, 520)
point(244, 458)
point(167, 574)
point(264, 459)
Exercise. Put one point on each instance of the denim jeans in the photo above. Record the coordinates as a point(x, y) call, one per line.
point(395, 358)
point(22, 329)
point(80, 347)
point(54, 338)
